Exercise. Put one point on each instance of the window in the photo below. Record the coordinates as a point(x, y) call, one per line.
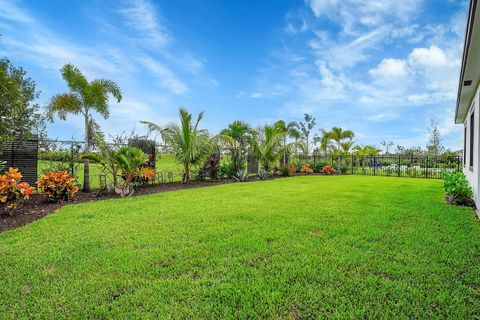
point(472, 132)
point(465, 145)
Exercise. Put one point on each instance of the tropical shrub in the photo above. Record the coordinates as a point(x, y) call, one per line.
point(317, 166)
point(146, 174)
point(241, 175)
point(225, 169)
point(306, 169)
point(343, 170)
point(129, 162)
point(288, 170)
point(328, 170)
point(190, 144)
point(457, 190)
point(263, 174)
point(12, 191)
point(57, 186)
point(212, 166)
point(3, 165)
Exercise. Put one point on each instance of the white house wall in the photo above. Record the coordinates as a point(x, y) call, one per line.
point(473, 174)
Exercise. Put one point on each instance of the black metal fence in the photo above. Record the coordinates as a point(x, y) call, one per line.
point(386, 165)
point(54, 155)
point(34, 160)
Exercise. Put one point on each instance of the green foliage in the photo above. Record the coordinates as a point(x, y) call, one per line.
point(241, 175)
point(343, 170)
point(226, 169)
point(3, 166)
point(288, 170)
point(237, 139)
point(20, 116)
point(457, 189)
point(262, 174)
point(269, 146)
point(190, 145)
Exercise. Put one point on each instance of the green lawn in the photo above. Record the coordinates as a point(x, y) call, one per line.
point(293, 248)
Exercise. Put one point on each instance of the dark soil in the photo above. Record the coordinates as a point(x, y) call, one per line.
point(37, 207)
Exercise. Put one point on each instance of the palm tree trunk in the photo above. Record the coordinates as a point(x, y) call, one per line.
point(86, 168)
point(338, 150)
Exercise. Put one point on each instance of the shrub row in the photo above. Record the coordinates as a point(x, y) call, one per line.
point(56, 186)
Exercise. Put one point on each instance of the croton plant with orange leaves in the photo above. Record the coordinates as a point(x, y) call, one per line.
point(12, 191)
point(57, 186)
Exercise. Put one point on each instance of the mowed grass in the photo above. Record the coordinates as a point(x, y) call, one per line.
point(293, 248)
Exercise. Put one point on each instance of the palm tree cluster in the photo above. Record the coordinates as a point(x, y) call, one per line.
point(271, 145)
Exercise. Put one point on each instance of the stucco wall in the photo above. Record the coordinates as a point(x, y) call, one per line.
point(472, 174)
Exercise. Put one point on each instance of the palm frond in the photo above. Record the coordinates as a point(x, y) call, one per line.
point(62, 104)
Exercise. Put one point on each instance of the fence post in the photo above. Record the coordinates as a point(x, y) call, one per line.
point(71, 160)
point(399, 166)
point(352, 162)
point(374, 165)
point(426, 166)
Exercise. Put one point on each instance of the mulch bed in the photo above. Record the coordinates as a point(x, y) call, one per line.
point(37, 207)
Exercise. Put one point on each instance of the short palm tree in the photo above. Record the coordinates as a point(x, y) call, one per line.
point(84, 99)
point(191, 145)
point(324, 141)
point(366, 150)
point(237, 139)
point(347, 145)
point(269, 148)
point(292, 131)
point(339, 135)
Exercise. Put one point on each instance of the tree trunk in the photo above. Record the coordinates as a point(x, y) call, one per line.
point(86, 168)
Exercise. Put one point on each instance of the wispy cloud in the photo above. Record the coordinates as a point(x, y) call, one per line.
point(141, 16)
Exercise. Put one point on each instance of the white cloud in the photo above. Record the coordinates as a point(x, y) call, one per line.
point(257, 95)
point(390, 68)
point(432, 57)
point(166, 77)
point(141, 16)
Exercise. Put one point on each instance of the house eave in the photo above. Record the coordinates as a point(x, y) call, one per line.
point(470, 68)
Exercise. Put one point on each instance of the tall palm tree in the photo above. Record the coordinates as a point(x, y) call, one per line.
point(191, 145)
point(339, 135)
point(237, 138)
point(84, 99)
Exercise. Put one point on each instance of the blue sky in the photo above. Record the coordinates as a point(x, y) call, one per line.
point(380, 68)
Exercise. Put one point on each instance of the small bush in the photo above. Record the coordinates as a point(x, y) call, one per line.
point(343, 170)
point(225, 169)
point(57, 186)
point(306, 169)
point(212, 166)
point(328, 170)
point(317, 166)
point(146, 174)
point(241, 175)
point(288, 170)
point(263, 174)
point(457, 190)
point(12, 191)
